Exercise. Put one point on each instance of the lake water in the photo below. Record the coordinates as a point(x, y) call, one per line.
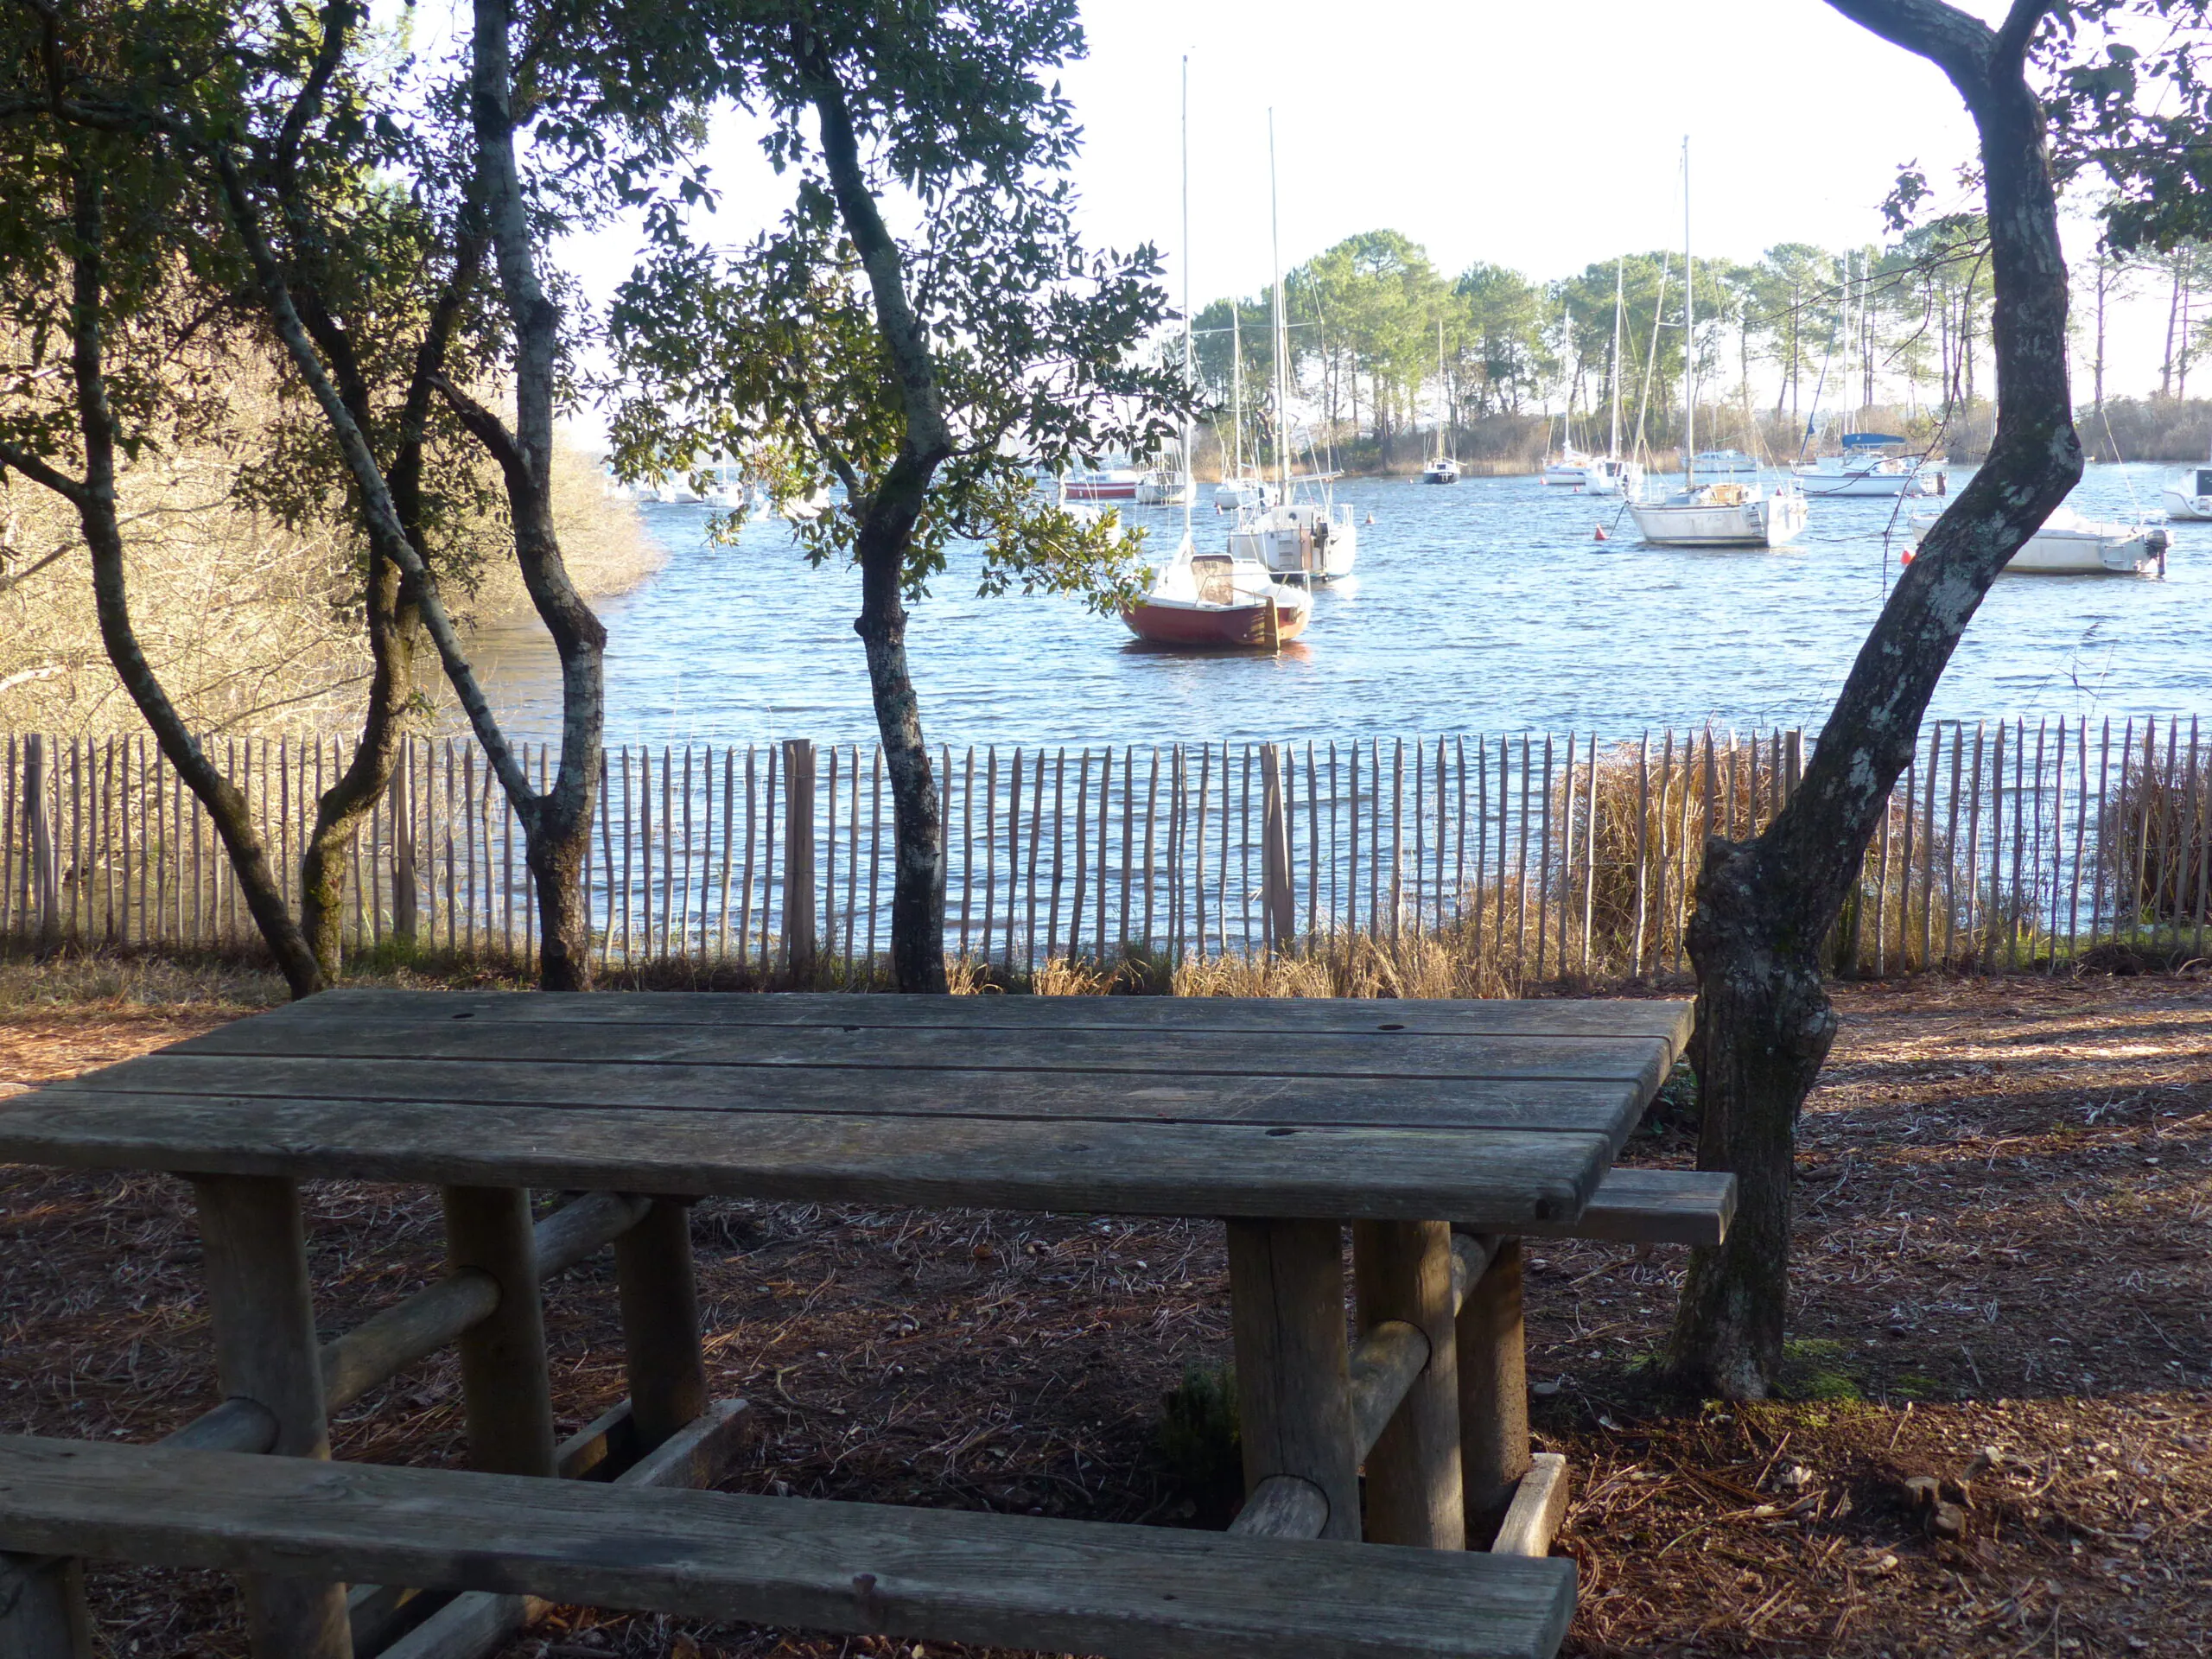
point(1489, 605)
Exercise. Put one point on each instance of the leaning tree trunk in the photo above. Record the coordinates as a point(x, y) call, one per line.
point(1764, 906)
point(95, 501)
point(886, 528)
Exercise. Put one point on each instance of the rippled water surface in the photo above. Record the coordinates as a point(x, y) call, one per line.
point(1488, 606)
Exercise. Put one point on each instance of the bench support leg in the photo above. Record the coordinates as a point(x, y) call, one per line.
point(1493, 1393)
point(1285, 1281)
point(1402, 1270)
point(506, 1392)
point(660, 1322)
point(42, 1611)
point(266, 1352)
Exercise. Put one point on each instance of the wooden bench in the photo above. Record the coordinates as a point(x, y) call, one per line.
point(1071, 1586)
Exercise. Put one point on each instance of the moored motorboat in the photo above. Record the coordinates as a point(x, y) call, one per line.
point(2070, 545)
point(2188, 494)
point(1721, 464)
point(1219, 601)
point(1118, 485)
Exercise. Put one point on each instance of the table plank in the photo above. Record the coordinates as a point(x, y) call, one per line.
point(1538, 1104)
point(1500, 1180)
point(1669, 1021)
point(1639, 1060)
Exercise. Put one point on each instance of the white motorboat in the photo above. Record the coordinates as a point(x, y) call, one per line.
point(2188, 494)
point(1723, 514)
point(1863, 471)
point(2070, 545)
point(1725, 464)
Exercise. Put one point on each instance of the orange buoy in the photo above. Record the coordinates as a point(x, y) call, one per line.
point(1905, 558)
point(1601, 533)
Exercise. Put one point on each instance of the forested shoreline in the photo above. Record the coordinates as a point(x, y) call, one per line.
point(1382, 341)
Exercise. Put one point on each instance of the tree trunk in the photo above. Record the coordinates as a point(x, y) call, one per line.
point(887, 525)
point(917, 883)
point(1764, 906)
point(96, 513)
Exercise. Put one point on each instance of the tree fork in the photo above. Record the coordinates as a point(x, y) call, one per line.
point(1764, 1025)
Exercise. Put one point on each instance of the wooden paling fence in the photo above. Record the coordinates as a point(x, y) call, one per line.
point(2007, 843)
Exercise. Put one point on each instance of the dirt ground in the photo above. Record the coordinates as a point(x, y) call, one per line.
point(2002, 1287)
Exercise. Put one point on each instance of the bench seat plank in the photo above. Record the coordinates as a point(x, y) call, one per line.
point(1503, 1180)
point(929, 1574)
point(1654, 1206)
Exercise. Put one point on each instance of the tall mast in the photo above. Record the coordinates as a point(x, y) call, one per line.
point(1281, 339)
point(1689, 333)
point(1620, 266)
point(1440, 410)
point(1237, 385)
point(1190, 475)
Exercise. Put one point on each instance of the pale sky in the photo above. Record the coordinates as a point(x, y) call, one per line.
point(1542, 137)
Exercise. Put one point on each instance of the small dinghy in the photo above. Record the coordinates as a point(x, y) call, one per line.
point(1213, 602)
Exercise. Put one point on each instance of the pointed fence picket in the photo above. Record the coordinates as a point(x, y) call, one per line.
point(2006, 844)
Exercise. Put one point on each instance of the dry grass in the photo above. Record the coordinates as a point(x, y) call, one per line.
point(2005, 1191)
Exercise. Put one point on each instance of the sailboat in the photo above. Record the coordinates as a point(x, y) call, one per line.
point(1442, 468)
point(1304, 536)
point(1724, 513)
point(1225, 601)
point(1242, 489)
point(1614, 475)
point(1572, 466)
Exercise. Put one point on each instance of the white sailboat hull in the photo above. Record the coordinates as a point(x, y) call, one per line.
point(1886, 486)
point(1771, 521)
point(2070, 545)
point(1440, 472)
point(1299, 540)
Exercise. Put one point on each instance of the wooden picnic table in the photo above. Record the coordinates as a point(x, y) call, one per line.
point(1426, 1125)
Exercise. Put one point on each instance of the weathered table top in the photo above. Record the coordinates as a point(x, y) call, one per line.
point(1494, 1113)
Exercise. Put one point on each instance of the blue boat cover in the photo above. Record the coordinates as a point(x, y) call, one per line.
point(1870, 440)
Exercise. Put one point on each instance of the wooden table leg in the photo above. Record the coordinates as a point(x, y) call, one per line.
point(1493, 1393)
point(506, 1389)
point(660, 1322)
point(43, 1610)
point(266, 1352)
point(1286, 1280)
point(1402, 1270)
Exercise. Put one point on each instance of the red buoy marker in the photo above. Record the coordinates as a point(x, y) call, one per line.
point(1601, 533)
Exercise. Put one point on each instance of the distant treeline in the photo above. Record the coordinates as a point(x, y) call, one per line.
point(1382, 344)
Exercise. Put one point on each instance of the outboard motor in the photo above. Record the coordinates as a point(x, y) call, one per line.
point(2157, 541)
